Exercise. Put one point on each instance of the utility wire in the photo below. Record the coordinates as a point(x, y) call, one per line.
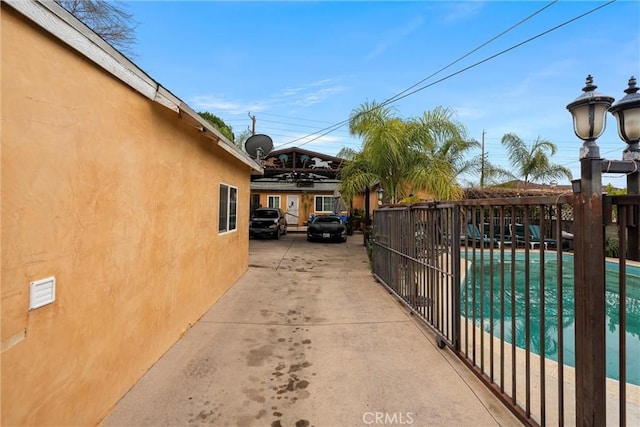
point(393, 98)
point(398, 95)
point(503, 51)
point(294, 118)
point(407, 92)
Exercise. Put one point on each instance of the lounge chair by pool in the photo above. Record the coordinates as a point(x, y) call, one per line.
point(475, 236)
point(533, 241)
point(534, 231)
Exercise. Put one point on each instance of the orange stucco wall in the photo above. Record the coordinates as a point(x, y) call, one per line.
point(116, 197)
point(306, 203)
point(359, 201)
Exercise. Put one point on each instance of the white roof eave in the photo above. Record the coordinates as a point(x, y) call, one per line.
point(57, 21)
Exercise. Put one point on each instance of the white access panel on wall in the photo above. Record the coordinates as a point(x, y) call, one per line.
point(42, 292)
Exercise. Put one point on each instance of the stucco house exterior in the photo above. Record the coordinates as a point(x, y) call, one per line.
point(124, 218)
point(303, 183)
point(300, 182)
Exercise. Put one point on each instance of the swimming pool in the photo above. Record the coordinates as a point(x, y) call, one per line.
point(487, 311)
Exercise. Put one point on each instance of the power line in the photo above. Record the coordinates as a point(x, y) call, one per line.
point(288, 124)
point(502, 52)
point(408, 92)
point(398, 95)
point(476, 49)
point(295, 118)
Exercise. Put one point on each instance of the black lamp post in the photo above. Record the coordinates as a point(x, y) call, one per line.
point(627, 114)
point(589, 120)
point(380, 193)
point(589, 117)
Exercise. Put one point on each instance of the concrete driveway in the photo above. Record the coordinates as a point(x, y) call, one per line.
point(307, 337)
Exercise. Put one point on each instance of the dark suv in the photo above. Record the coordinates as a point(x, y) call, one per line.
point(267, 222)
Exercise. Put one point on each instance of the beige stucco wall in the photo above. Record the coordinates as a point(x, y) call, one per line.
point(116, 197)
point(306, 202)
point(359, 201)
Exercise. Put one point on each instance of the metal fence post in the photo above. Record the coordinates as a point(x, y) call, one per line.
point(633, 238)
point(589, 279)
point(455, 258)
point(589, 118)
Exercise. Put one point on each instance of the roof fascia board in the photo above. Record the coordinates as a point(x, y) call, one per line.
point(221, 140)
point(67, 27)
point(57, 21)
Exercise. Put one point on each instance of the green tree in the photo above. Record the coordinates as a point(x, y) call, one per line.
point(488, 173)
point(347, 153)
point(405, 156)
point(532, 163)
point(613, 191)
point(109, 19)
point(385, 151)
point(242, 138)
point(493, 174)
point(219, 124)
point(443, 153)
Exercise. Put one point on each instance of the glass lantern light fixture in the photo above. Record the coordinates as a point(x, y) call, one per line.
point(589, 117)
point(627, 114)
point(380, 193)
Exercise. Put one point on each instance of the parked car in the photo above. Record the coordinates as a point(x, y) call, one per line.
point(327, 227)
point(267, 222)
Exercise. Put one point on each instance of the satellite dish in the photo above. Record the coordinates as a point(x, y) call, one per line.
point(258, 146)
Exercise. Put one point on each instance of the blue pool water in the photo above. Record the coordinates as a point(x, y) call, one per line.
point(551, 317)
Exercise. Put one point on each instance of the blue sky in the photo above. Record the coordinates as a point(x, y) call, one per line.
point(300, 67)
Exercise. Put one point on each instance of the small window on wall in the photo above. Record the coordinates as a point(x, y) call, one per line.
point(324, 203)
point(228, 208)
point(273, 201)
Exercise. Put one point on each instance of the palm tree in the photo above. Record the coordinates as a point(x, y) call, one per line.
point(346, 153)
point(385, 153)
point(487, 172)
point(532, 162)
point(284, 159)
point(443, 150)
point(405, 156)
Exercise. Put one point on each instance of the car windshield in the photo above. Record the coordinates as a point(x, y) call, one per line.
point(266, 214)
point(328, 219)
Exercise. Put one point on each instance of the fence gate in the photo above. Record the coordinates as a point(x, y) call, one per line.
point(413, 257)
point(501, 283)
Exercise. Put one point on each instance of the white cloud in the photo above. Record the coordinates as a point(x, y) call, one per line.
point(318, 96)
point(216, 103)
point(325, 143)
point(303, 95)
point(395, 35)
point(460, 11)
point(310, 93)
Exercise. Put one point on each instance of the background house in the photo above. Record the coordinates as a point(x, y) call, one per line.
point(305, 183)
point(118, 202)
point(300, 182)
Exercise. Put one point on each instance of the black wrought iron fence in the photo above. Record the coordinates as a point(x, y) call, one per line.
point(494, 279)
